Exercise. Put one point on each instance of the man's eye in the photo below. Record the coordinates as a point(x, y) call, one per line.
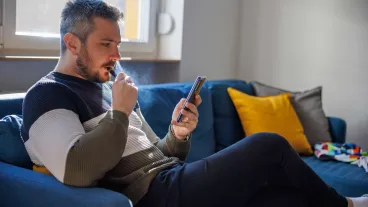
point(106, 44)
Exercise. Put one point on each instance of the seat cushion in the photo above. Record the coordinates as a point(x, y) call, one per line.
point(228, 128)
point(157, 103)
point(347, 179)
point(12, 149)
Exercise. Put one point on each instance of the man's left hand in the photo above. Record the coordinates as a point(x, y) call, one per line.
point(189, 118)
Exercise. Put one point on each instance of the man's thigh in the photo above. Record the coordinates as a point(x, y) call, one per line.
point(230, 177)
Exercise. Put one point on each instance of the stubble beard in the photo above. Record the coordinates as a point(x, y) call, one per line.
point(83, 61)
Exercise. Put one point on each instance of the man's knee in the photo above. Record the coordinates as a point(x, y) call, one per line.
point(268, 140)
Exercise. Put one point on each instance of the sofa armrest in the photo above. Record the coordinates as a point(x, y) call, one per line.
point(23, 187)
point(337, 129)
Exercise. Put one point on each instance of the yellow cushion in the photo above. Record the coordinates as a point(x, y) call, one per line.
point(271, 114)
point(41, 169)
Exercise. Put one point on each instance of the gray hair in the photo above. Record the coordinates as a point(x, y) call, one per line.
point(77, 18)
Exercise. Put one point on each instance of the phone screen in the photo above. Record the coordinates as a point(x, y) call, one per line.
point(196, 88)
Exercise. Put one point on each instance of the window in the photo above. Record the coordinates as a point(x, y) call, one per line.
point(32, 26)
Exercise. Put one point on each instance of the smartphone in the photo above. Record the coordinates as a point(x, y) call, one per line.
point(196, 88)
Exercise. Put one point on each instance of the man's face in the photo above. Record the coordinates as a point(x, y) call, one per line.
point(100, 51)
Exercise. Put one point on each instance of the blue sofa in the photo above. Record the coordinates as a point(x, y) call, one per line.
point(219, 127)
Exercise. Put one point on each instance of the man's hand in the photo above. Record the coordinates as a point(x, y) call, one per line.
point(124, 94)
point(189, 119)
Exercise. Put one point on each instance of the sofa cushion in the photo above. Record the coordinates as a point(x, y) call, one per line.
point(273, 114)
point(347, 179)
point(22, 187)
point(337, 129)
point(12, 149)
point(308, 106)
point(157, 103)
point(228, 128)
point(11, 103)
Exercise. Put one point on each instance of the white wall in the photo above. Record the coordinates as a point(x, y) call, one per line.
point(210, 39)
point(299, 44)
point(169, 45)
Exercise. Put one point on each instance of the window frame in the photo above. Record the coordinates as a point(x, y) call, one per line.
point(15, 45)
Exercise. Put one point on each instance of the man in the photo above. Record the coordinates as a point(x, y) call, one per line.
point(69, 126)
point(87, 131)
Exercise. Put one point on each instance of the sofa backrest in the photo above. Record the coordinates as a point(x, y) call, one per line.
point(157, 103)
point(227, 125)
point(11, 104)
point(219, 124)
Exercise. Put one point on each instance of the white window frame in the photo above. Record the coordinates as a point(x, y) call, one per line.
point(18, 45)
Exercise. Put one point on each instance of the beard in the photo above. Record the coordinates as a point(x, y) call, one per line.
point(85, 70)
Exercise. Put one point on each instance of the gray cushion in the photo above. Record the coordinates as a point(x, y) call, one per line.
point(308, 107)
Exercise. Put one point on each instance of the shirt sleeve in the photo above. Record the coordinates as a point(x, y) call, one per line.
point(56, 137)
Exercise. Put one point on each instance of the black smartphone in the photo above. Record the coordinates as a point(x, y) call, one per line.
point(196, 88)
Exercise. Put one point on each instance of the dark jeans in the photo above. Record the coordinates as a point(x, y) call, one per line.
point(234, 175)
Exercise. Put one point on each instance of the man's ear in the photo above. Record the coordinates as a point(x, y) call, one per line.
point(72, 43)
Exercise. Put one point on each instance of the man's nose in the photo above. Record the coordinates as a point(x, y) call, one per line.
point(115, 56)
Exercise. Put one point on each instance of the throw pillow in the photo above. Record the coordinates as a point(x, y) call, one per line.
point(308, 107)
point(12, 149)
point(271, 114)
